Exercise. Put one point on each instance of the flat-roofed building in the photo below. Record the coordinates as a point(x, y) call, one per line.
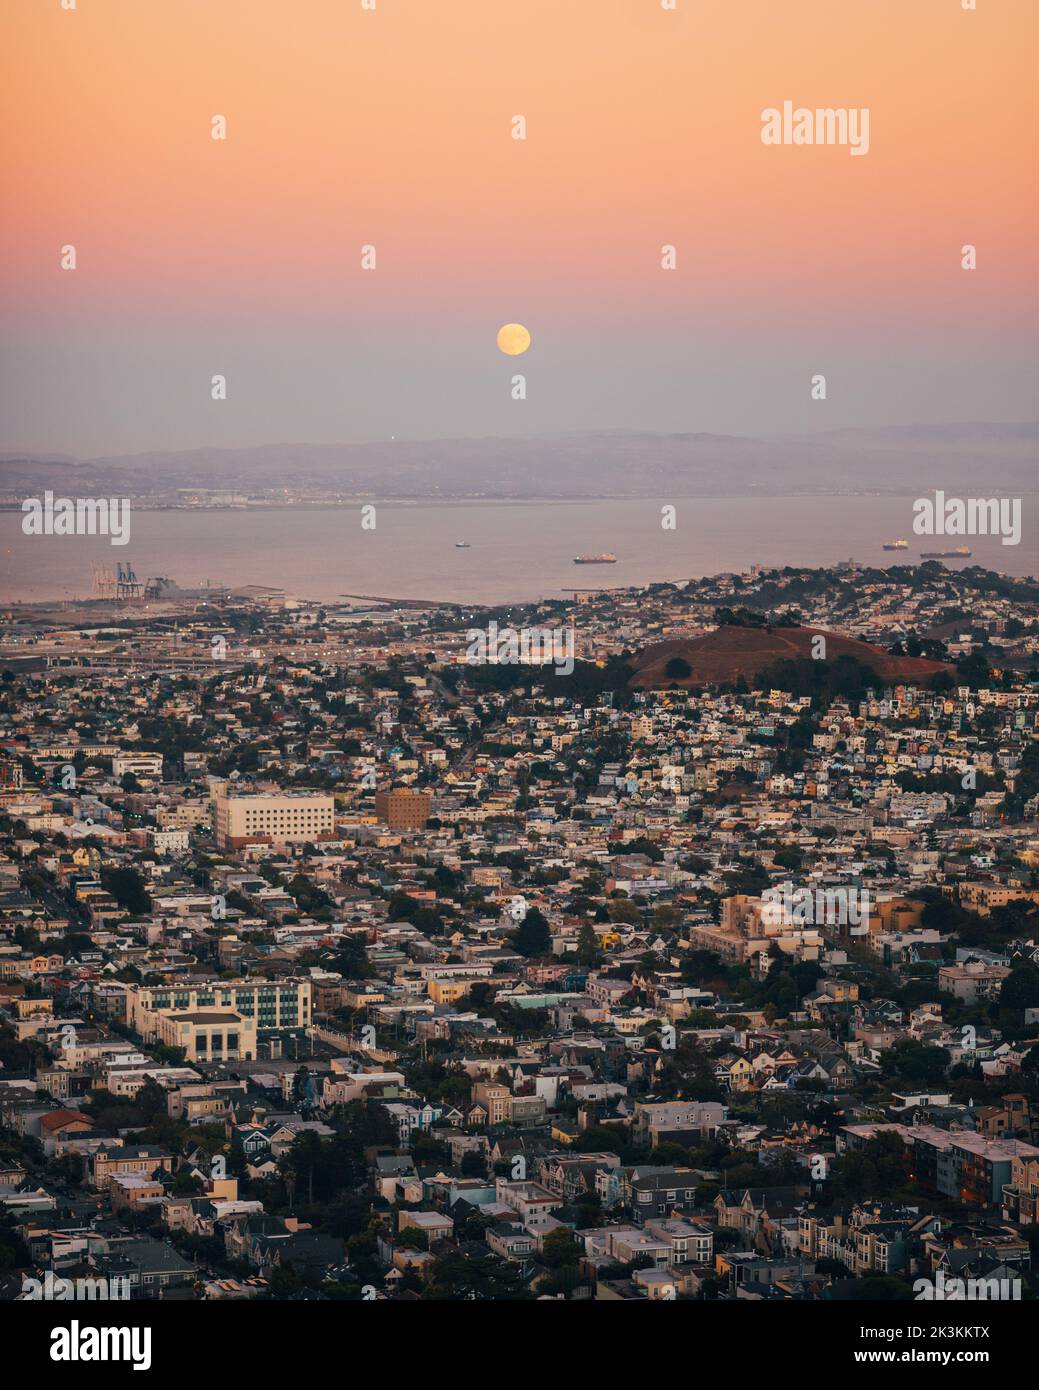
point(272, 819)
point(1021, 1195)
point(274, 1005)
point(137, 764)
point(972, 981)
point(214, 1035)
point(114, 1160)
point(402, 809)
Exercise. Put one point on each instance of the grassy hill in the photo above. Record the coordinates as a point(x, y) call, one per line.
point(723, 656)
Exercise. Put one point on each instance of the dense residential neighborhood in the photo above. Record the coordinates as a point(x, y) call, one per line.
point(337, 964)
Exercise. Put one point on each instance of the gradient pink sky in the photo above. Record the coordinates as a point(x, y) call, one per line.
point(392, 127)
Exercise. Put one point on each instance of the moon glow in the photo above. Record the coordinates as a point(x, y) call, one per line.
point(513, 339)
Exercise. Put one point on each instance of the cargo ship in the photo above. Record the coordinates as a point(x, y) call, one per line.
point(896, 545)
point(960, 553)
point(604, 559)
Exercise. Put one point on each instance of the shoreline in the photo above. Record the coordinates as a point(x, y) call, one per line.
point(340, 500)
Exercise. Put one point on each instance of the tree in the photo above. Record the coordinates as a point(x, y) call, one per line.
point(974, 669)
point(789, 857)
point(884, 1288)
point(473, 1164)
point(624, 910)
point(151, 1099)
point(1020, 989)
point(186, 1184)
point(127, 887)
point(561, 1247)
point(428, 921)
point(533, 938)
point(588, 952)
point(305, 1159)
point(303, 1089)
point(284, 1281)
point(351, 958)
point(914, 1063)
point(68, 1168)
point(876, 1170)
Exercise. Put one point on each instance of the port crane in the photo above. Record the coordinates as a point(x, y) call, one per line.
point(104, 582)
point(127, 585)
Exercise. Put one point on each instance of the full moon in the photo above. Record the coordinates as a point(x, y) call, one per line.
point(513, 339)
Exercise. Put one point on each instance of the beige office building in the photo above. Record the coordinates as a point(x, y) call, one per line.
point(263, 819)
point(208, 1035)
point(274, 1005)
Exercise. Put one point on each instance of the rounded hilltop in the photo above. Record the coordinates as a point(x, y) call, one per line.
point(732, 652)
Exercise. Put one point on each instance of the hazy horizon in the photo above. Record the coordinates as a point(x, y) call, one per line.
point(912, 430)
point(241, 257)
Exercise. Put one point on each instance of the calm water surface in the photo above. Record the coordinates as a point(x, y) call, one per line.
point(517, 550)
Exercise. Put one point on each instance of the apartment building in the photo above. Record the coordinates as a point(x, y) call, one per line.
point(680, 1121)
point(655, 1192)
point(268, 1006)
point(1021, 1195)
point(962, 1165)
point(689, 1240)
point(111, 1161)
point(401, 809)
point(272, 819)
point(972, 981)
point(494, 1100)
point(532, 1202)
point(982, 896)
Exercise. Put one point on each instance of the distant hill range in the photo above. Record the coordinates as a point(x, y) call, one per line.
point(970, 460)
point(723, 656)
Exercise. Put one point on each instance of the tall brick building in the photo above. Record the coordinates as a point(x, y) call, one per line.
point(402, 809)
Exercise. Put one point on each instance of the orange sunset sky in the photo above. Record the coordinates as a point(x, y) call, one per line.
point(392, 127)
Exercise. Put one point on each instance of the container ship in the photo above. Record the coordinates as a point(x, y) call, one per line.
point(896, 545)
point(604, 559)
point(960, 553)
